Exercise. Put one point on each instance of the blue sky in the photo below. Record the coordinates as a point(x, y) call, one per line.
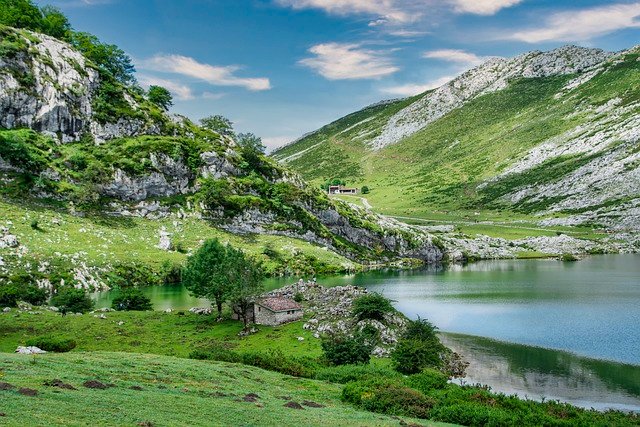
point(280, 68)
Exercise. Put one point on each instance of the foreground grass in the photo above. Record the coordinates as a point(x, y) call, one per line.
point(153, 332)
point(171, 391)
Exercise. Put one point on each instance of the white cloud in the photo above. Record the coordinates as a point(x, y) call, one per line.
point(215, 75)
point(415, 89)
point(344, 61)
point(388, 10)
point(482, 7)
point(581, 25)
point(454, 55)
point(180, 91)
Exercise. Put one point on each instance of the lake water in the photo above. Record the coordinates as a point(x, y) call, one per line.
point(557, 316)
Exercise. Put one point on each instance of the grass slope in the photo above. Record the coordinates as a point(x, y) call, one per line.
point(105, 240)
point(173, 392)
point(435, 172)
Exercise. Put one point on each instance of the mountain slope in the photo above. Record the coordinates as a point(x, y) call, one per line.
point(550, 134)
point(76, 142)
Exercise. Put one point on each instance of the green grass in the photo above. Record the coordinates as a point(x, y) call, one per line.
point(153, 332)
point(174, 392)
point(105, 240)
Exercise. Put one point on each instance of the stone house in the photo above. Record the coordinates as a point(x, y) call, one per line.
point(274, 311)
point(339, 189)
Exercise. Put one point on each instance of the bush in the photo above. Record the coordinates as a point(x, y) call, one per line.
point(131, 300)
point(11, 293)
point(346, 350)
point(420, 329)
point(51, 343)
point(427, 380)
point(474, 414)
point(133, 275)
point(73, 300)
point(411, 356)
point(387, 397)
point(35, 225)
point(372, 306)
point(568, 258)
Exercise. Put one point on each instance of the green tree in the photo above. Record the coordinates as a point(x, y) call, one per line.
point(55, 23)
point(365, 190)
point(250, 142)
point(207, 273)
point(131, 299)
point(110, 58)
point(347, 350)
point(160, 96)
point(219, 124)
point(372, 306)
point(245, 283)
point(20, 14)
point(72, 300)
point(419, 348)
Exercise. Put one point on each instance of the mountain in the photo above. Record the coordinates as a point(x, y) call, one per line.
point(549, 139)
point(79, 146)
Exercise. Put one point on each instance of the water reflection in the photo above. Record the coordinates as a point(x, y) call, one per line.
point(541, 373)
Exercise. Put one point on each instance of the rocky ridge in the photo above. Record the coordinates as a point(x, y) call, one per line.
point(491, 76)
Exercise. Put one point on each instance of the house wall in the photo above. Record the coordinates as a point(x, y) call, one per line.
point(264, 316)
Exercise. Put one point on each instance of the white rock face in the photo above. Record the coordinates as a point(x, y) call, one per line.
point(65, 87)
point(165, 240)
point(491, 76)
point(29, 350)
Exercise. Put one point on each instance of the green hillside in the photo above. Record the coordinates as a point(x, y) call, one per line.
point(454, 164)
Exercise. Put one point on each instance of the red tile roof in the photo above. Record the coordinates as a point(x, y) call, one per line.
point(279, 304)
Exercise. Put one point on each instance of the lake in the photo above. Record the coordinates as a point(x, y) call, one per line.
point(565, 313)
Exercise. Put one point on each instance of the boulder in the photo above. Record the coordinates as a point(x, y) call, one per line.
point(29, 350)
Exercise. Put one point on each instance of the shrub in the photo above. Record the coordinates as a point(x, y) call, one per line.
point(365, 190)
point(346, 350)
point(298, 297)
point(568, 258)
point(473, 414)
point(11, 293)
point(387, 397)
point(411, 356)
point(35, 225)
point(73, 300)
point(133, 275)
point(372, 306)
point(427, 380)
point(131, 300)
point(420, 329)
point(52, 343)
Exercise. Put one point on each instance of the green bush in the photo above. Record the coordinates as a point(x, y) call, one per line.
point(346, 350)
point(52, 343)
point(372, 306)
point(131, 300)
point(346, 373)
point(72, 300)
point(411, 356)
point(387, 397)
point(427, 380)
point(11, 293)
point(133, 275)
point(475, 414)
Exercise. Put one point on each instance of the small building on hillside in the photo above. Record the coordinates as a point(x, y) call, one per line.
point(340, 189)
point(274, 311)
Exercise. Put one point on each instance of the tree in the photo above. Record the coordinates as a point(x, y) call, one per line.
point(245, 283)
point(372, 306)
point(131, 299)
point(72, 300)
point(160, 96)
point(250, 142)
point(110, 58)
point(55, 23)
point(207, 273)
point(20, 14)
point(418, 348)
point(346, 350)
point(365, 190)
point(219, 124)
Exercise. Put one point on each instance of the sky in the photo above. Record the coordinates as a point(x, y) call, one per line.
point(282, 68)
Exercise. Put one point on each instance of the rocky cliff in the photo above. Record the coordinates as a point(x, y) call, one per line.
point(48, 86)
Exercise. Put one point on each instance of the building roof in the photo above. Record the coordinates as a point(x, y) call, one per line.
point(279, 304)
